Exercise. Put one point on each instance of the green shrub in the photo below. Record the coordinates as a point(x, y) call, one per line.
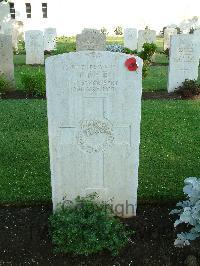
point(129, 51)
point(5, 85)
point(20, 48)
point(146, 54)
point(148, 51)
point(34, 83)
point(118, 30)
point(189, 88)
point(85, 226)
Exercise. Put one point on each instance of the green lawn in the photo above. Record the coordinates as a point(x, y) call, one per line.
point(156, 79)
point(170, 134)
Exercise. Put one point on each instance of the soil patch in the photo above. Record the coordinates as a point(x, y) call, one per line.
point(156, 95)
point(160, 95)
point(25, 240)
point(15, 95)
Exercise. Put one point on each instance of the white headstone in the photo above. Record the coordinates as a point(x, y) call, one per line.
point(94, 106)
point(168, 32)
point(146, 36)
point(91, 39)
point(34, 45)
point(130, 38)
point(197, 39)
point(15, 29)
point(50, 39)
point(183, 61)
point(6, 57)
point(197, 32)
point(4, 13)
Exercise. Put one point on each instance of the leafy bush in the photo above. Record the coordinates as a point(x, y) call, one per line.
point(189, 212)
point(146, 54)
point(145, 69)
point(115, 48)
point(188, 88)
point(148, 51)
point(5, 85)
point(21, 48)
point(118, 30)
point(86, 226)
point(34, 83)
point(129, 51)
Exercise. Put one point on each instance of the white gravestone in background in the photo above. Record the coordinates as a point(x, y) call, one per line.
point(34, 45)
point(15, 29)
point(197, 39)
point(168, 32)
point(91, 39)
point(146, 36)
point(197, 32)
point(183, 61)
point(4, 13)
point(130, 38)
point(50, 39)
point(94, 110)
point(6, 57)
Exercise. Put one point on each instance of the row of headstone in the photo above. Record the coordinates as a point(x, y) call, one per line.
point(36, 42)
point(91, 39)
point(133, 42)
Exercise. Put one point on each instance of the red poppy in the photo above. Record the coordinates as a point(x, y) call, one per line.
point(131, 64)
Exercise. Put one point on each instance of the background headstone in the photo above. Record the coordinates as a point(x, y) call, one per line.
point(91, 39)
point(197, 32)
point(16, 30)
point(168, 32)
point(130, 38)
point(50, 39)
point(94, 110)
point(183, 61)
point(145, 36)
point(197, 39)
point(6, 57)
point(4, 13)
point(34, 45)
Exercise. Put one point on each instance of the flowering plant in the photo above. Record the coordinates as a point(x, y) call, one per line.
point(131, 64)
point(189, 212)
point(115, 48)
